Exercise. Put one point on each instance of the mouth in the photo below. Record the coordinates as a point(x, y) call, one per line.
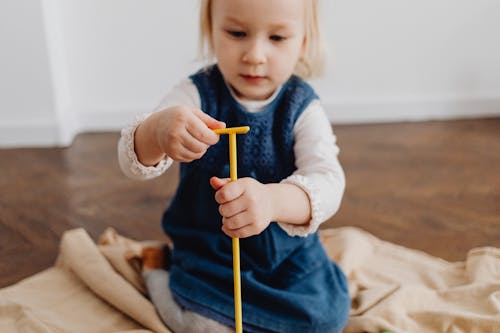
point(253, 78)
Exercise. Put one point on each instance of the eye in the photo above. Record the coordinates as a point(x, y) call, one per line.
point(277, 38)
point(236, 33)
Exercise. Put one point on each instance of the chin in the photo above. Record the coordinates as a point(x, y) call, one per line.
point(257, 94)
point(258, 97)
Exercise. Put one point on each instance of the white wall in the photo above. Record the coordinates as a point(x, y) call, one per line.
point(402, 60)
point(26, 92)
point(70, 65)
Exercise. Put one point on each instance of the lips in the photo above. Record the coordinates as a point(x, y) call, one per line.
point(252, 78)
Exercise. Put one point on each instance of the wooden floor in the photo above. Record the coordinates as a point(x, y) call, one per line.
point(433, 186)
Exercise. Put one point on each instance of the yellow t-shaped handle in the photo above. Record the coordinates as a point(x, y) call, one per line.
point(232, 131)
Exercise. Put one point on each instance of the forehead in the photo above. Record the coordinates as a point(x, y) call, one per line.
point(260, 12)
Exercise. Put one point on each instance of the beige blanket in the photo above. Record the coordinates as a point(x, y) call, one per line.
point(94, 288)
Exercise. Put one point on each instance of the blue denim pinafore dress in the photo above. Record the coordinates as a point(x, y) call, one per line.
point(288, 283)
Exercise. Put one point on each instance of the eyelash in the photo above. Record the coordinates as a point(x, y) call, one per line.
point(241, 34)
point(277, 38)
point(237, 34)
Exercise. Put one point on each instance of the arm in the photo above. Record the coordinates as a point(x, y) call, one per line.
point(182, 133)
point(142, 148)
point(319, 173)
point(248, 206)
point(149, 152)
point(299, 203)
point(127, 157)
point(290, 204)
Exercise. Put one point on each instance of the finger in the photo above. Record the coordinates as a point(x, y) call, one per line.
point(217, 182)
point(211, 123)
point(201, 132)
point(193, 144)
point(237, 221)
point(229, 192)
point(185, 155)
point(244, 232)
point(232, 209)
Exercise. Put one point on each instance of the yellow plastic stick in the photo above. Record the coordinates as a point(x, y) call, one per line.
point(233, 173)
point(232, 130)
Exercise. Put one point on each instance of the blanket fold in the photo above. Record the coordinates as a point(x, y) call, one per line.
point(403, 290)
point(98, 288)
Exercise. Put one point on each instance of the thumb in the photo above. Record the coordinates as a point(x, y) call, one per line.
point(217, 183)
point(211, 123)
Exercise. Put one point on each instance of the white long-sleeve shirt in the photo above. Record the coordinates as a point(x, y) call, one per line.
point(318, 172)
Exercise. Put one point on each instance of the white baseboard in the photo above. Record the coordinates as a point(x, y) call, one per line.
point(399, 110)
point(43, 134)
point(33, 134)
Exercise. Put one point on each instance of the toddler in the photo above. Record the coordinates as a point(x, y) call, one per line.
point(290, 178)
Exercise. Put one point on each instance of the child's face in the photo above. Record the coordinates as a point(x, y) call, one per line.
point(257, 43)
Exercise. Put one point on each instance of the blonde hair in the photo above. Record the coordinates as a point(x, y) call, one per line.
point(311, 64)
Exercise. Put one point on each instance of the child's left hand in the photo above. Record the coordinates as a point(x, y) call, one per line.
point(245, 205)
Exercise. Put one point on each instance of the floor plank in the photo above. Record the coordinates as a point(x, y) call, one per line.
point(433, 186)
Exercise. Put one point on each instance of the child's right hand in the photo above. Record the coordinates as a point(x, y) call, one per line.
point(185, 134)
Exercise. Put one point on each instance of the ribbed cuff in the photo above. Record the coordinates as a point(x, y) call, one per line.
point(136, 168)
point(316, 214)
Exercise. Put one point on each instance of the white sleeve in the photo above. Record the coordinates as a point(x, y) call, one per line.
point(184, 93)
point(319, 172)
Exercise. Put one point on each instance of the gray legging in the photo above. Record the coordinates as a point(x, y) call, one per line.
point(176, 318)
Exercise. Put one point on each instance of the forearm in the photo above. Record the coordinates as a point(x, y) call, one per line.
point(290, 204)
point(145, 144)
point(319, 173)
point(127, 157)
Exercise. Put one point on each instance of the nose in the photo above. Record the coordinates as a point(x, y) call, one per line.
point(255, 53)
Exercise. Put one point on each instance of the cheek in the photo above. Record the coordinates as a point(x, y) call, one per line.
point(217, 40)
point(286, 59)
point(295, 49)
point(225, 49)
